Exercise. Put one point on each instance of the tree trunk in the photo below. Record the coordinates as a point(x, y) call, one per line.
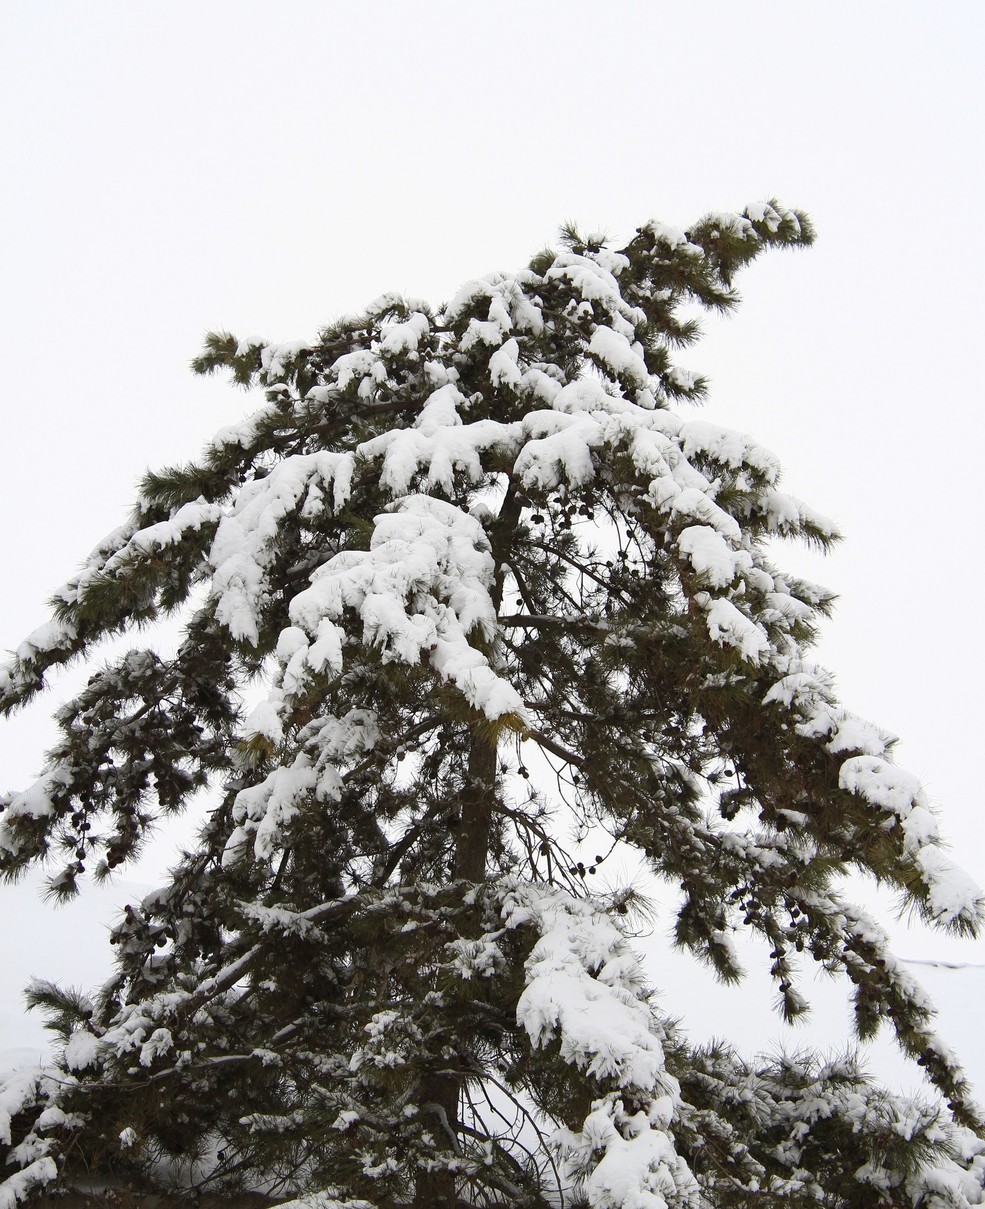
point(438, 1100)
point(478, 803)
point(479, 795)
point(439, 1094)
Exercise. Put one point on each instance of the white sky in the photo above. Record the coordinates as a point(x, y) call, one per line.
point(264, 167)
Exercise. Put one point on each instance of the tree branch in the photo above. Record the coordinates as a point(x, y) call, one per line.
point(556, 749)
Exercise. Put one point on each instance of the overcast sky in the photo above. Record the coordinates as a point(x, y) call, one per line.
point(265, 167)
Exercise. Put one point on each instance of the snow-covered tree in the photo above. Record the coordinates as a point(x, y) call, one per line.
point(472, 588)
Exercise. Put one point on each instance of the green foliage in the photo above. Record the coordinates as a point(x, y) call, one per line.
point(502, 609)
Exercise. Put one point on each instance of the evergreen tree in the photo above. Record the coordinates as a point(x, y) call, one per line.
point(465, 593)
